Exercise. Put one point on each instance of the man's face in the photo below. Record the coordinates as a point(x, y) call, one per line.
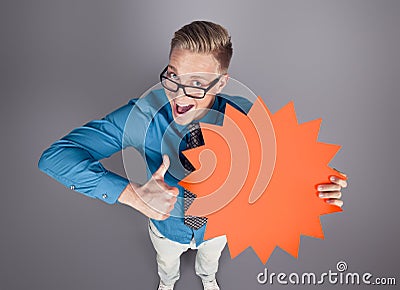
point(192, 69)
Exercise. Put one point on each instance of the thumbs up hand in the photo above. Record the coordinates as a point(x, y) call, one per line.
point(155, 198)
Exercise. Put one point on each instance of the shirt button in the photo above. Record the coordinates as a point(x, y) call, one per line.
point(104, 195)
point(72, 187)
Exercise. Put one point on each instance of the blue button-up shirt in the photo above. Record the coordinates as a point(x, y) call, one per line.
point(147, 125)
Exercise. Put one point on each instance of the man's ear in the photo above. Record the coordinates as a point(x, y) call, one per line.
point(222, 83)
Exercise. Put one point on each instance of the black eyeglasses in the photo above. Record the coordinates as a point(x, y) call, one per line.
point(190, 91)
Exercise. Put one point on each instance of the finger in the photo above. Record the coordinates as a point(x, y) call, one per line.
point(341, 182)
point(159, 214)
point(341, 173)
point(173, 201)
point(161, 217)
point(154, 213)
point(330, 194)
point(163, 168)
point(329, 187)
point(174, 191)
point(172, 205)
point(336, 202)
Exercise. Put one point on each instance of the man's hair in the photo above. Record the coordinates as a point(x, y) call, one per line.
point(207, 38)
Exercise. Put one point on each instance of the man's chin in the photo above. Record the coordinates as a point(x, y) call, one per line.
point(184, 119)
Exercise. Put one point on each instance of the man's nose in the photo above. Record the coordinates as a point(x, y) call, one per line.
point(180, 94)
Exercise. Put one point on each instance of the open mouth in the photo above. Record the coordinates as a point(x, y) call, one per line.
point(182, 109)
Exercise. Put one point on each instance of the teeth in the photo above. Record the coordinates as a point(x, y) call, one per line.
point(181, 109)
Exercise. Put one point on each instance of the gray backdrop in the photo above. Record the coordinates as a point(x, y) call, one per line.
point(64, 63)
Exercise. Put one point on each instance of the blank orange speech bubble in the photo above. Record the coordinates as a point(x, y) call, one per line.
point(261, 191)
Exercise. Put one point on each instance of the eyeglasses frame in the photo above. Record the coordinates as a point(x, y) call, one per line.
point(213, 83)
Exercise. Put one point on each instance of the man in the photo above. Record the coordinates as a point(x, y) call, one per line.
point(192, 83)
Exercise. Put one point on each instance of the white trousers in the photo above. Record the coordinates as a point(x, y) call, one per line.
point(169, 252)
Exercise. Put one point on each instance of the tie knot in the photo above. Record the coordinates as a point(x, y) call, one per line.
point(193, 126)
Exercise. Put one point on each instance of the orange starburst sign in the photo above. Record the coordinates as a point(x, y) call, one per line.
point(256, 179)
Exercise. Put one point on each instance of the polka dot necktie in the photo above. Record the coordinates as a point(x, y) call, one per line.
point(195, 139)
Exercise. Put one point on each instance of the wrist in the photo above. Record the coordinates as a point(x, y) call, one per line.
point(129, 196)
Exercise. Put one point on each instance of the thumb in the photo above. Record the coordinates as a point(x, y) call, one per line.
point(163, 167)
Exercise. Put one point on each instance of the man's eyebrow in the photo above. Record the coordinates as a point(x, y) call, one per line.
point(174, 68)
point(199, 77)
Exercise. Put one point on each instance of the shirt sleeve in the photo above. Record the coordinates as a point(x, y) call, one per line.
point(74, 159)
